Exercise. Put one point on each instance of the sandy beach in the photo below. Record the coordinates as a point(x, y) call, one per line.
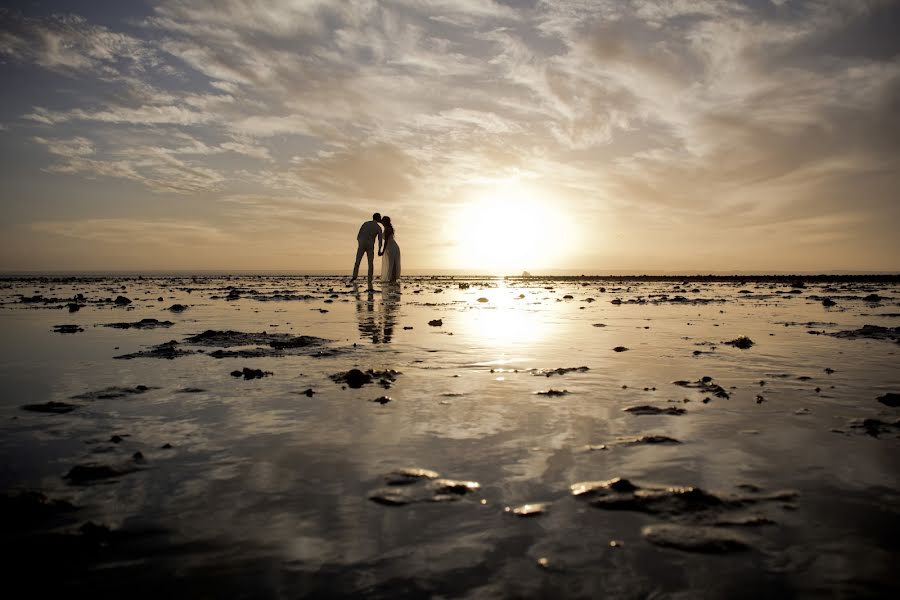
point(485, 437)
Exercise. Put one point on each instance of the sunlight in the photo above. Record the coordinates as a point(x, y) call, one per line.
point(505, 322)
point(506, 228)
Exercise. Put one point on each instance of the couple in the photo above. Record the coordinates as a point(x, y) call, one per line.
point(390, 252)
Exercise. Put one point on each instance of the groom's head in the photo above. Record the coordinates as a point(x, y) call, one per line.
point(377, 217)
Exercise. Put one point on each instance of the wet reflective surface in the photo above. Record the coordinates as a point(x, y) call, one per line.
point(296, 436)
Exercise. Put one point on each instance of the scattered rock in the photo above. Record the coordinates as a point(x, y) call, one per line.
point(84, 474)
point(114, 392)
point(408, 475)
point(381, 399)
point(248, 373)
point(620, 349)
point(67, 328)
point(705, 385)
point(529, 510)
point(356, 378)
point(742, 342)
point(890, 399)
point(552, 392)
point(168, 350)
point(559, 371)
point(646, 409)
point(122, 301)
point(875, 427)
point(873, 298)
point(873, 332)
point(176, 308)
point(648, 439)
point(142, 324)
point(424, 490)
point(436, 322)
point(828, 302)
point(693, 538)
point(52, 407)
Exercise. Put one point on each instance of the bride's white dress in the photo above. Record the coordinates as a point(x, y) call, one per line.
point(390, 261)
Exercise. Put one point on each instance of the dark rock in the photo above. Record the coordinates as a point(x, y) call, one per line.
point(436, 322)
point(828, 302)
point(655, 410)
point(176, 308)
point(57, 408)
point(248, 373)
point(28, 509)
point(532, 509)
point(693, 538)
point(742, 342)
point(142, 324)
point(191, 390)
point(73, 307)
point(308, 392)
point(114, 392)
point(705, 385)
point(138, 456)
point(424, 490)
point(873, 332)
point(559, 371)
point(553, 392)
point(356, 378)
point(83, 474)
point(873, 298)
point(620, 349)
point(406, 476)
point(649, 439)
point(168, 350)
point(122, 301)
point(67, 328)
point(116, 439)
point(875, 427)
point(381, 399)
point(890, 399)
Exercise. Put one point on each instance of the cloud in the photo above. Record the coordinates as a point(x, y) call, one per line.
point(69, 44)
point(677, 111)
point(158, 232)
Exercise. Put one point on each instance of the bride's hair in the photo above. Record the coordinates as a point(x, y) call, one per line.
point(386, 221)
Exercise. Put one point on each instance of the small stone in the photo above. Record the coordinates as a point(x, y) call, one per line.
point(620, 349)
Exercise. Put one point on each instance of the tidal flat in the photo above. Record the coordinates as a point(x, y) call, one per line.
point(298, 436)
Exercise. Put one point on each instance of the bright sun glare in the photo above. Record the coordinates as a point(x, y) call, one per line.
point(507, 229)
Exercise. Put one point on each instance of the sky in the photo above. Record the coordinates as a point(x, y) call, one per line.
point(597, 136)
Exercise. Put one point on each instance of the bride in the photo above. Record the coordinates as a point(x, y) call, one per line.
point(390, 261)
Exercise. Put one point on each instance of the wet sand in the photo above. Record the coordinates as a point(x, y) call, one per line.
point(565, 438)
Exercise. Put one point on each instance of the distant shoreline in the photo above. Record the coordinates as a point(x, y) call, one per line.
point(735, 278)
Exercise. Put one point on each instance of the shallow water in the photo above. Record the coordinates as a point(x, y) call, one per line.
point(268, 491)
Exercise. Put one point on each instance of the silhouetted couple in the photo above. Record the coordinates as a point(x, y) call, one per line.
point(389, 251)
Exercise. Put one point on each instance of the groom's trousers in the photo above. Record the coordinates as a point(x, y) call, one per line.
point(370, 255)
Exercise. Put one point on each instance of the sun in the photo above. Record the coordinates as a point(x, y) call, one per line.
point(507, 228)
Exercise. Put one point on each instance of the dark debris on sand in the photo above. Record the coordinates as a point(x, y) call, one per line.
point(409, 486)
point(694, 538)
point(114, 392)
point(890, 399)
point(356, 378)
point(646, 409)
point(57, 408)
point(872, 332)
point(558, 371)
point(67, 329)
point(742, 342)
point(167, 350)
point(248, 373)
point(705, 385)
point(142, 324)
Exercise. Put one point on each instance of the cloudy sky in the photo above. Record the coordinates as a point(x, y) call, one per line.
point(593, 135)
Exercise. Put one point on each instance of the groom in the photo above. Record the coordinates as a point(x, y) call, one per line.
point(366, 240)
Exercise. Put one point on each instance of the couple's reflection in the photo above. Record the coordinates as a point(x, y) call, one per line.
point(377, 323)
